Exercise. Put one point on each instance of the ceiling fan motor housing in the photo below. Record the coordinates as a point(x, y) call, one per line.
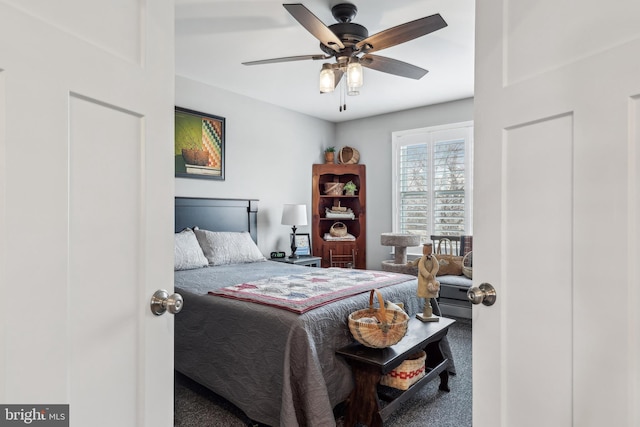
point(349, 33)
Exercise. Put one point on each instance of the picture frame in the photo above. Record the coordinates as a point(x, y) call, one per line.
point(303, 243)
point(199, 145)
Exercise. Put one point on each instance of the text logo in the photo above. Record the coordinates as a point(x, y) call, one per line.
point(34, 415)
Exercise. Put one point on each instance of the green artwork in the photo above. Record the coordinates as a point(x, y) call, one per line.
point(199, 145)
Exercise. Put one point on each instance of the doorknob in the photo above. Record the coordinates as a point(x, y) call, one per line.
point(161, 302)
point(485, 294)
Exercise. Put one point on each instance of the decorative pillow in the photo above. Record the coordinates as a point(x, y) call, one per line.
point(187, 252)
point(225, 247)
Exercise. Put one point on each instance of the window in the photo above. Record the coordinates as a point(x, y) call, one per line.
point(432, 191)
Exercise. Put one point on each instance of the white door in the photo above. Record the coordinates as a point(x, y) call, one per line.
point(86, 217)
point(557, 202)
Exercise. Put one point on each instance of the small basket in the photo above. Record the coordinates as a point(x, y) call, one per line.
point(407, 373)
point(378, 327)
point(333, 188)
point(196, 157)
point(338, 208)
point(467, 265)
point(348, 156)
point(338, 229)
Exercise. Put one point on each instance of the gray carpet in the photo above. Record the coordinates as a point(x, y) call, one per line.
point(196, 406)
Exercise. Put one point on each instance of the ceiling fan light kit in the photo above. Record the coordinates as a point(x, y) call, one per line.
point(354, 77)
point(327, 79)
point(351, 46)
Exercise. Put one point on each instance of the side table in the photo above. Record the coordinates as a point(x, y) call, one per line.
point(306, 260)
point(370, 364)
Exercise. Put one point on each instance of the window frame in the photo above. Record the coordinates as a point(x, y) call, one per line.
point(430, 135)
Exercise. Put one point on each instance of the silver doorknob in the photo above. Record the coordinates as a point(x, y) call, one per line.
point(161, 301)
point(485, 294)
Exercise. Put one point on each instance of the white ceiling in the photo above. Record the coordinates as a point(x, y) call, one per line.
point(214, 37)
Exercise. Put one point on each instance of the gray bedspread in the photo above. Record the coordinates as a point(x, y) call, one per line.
point(278, 367)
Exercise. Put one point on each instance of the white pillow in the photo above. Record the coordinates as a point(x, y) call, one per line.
point(225, 247)
point(187, 252)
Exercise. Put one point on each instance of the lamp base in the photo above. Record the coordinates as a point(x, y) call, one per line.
point(293, 243)
point(432, 318)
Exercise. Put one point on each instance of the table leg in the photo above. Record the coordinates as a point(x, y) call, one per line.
point(434, 358)
point(363, 405)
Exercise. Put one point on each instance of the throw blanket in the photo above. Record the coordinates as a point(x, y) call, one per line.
point(300, 293)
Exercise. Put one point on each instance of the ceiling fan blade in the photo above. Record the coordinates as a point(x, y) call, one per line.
point(287, 59)
point(402, 33)
point(315, 26)
point(392, 66)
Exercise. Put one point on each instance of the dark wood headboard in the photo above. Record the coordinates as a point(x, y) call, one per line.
point(217, 214)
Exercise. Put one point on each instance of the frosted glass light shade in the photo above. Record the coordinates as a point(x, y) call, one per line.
point(355, 77)
point(327, 79)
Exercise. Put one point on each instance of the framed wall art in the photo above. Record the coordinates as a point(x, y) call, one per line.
point(199, 145)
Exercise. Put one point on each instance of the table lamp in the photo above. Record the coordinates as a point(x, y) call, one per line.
point(294, 215)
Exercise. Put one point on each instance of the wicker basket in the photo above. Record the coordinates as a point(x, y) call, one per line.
point(333, 188)
point(348, 156)
point(338, 229)
point(192, 156)
point(407, 373)
point(378, 327)
point(467, 265)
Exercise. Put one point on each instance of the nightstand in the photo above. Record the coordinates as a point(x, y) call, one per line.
point(306, 260)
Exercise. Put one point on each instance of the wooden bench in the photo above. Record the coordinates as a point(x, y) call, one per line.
point(370, 364)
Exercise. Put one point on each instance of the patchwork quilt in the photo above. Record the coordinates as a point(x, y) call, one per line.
point(300, 293)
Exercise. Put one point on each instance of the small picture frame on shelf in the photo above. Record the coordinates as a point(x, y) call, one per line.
point(303, 243)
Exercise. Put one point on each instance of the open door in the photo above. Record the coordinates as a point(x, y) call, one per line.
point(86, 217)
point(557, 213)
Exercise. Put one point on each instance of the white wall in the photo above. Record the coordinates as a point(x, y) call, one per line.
point(372, 138)
point(270, 150)
point(269, 153)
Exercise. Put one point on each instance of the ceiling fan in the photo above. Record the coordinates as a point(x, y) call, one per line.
point(351, 46)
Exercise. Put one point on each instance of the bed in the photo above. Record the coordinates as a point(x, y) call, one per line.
point(278, 366)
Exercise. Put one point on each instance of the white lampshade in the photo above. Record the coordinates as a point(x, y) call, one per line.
point(327, 79)
point(294, 214)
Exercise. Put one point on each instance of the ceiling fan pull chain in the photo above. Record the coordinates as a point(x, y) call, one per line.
point(343, 96)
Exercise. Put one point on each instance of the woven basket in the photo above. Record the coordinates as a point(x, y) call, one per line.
point(333, 188)
point(338, 229)
point(192, 156)
point(378, 327)
point(467, 263)
point(407, 373)
point(348, 156)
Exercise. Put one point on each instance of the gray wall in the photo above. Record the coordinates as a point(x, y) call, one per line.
point(268, 156)
point(270, 150)
point(372, 138)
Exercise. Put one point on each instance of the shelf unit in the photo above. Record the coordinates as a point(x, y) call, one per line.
point(343, 173)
